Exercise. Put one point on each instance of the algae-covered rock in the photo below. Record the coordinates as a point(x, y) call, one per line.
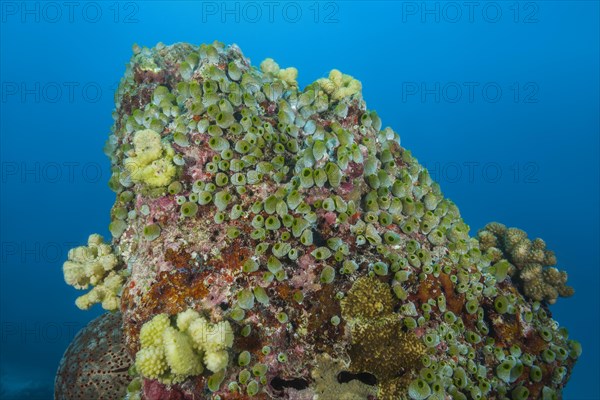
point(279, 242)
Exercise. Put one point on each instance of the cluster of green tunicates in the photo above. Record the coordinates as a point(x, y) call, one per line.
point(251, 377)
point(121, 213)
point(460, 376)
point(271, 162)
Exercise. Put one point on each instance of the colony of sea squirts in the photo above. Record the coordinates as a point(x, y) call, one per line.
point(278, 242)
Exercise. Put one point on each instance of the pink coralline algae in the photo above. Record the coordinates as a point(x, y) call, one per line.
point(273, 242)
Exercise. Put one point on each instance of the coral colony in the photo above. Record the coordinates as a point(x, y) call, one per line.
point(273, 242)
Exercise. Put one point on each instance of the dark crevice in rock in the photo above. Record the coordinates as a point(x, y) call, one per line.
point(364, 377)
point(278, 383)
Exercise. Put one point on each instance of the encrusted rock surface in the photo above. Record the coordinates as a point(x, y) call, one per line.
point(291, 218)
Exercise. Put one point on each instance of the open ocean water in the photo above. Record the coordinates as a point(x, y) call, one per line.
point(499, 99)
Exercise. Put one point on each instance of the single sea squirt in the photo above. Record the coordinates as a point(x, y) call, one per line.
point(273, 242)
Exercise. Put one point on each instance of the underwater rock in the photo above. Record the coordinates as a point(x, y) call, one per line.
point(274, 242)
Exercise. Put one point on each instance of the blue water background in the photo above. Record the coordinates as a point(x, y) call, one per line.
point(528, 158)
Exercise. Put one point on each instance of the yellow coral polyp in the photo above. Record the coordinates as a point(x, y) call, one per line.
point(269, 66)
point(198, 330)
point(147, 146)
point(336, 77)
point(180, 354)
point(289, 76)
point(216, 360)
point(185, 318)
point(150, 362)
point(159, 173)
point(87, 265)
point(106, 293)
point(94, 265)
point(339, 85)
point(152, 331)
point(211, 337)
point(187, 348)
point(152, 163)
point(327, 85)
point(219, 337)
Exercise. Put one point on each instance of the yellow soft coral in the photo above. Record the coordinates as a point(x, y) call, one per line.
point(94, 265)
point(180, 355)
point(152, 331)
point(269, 66)
point(198, 330)
point(288, 75)
point(159, 173)
point(339, 85)
point(213, 339)
point(152, 163)
point(88, 265)
point(216, 360)
point(185, 318)
point(147, 146)
point(184, 350)
point(150, 362)
point(106, 293)
point(219, 337)
point(211, 336)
